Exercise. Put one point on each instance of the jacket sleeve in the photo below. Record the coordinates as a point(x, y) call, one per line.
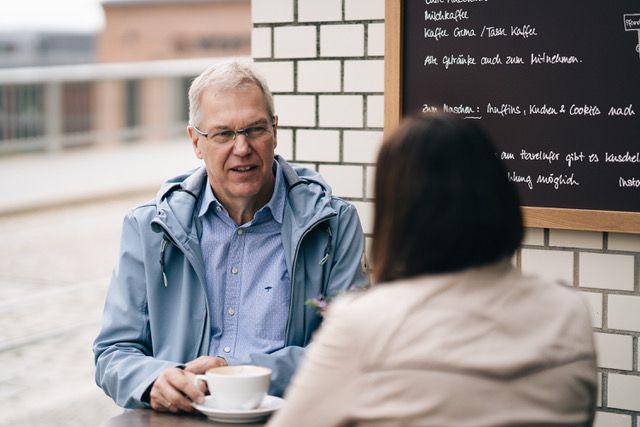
point(122, 349)
point(347, 270)
point(349, 266)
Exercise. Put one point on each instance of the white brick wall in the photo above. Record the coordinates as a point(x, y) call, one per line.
point(318, 145)
point(342, 40)
point(319, 76)
point(624, 312)
point(295, 110)
point(624, 242)
point(271, 11)
point(319, 10)
point(285, 143)
point(375, 111)
point(365, 212)
point(346, 181)
point(533, 236)
point(261, 42)
point(594, 300)
point(624, 392)
point(609, 419)
point(550, 265)
point(575, 239)
point(375, 40)
point(294, 42)
point(614, 351)
point(364, 76)
point(341, 111)
point(361, 146)
point(364, 9)
point(279, 75)
point(606, 271)
point(371, 180)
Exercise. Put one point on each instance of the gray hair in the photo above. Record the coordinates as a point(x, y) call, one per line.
point(224, 76)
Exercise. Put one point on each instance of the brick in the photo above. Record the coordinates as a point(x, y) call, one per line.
point(533, 237)
point(375, 111)
point(342, 40)
point(375, 40)
point(624, 392)
point(370, 182)
point(317, 11)
point(346, 181)
point(268, 11)
point(319, 76)
point(364, 9)
point(599, 395)
point(594, 300)
point(549, 265)
point(341, 111)
point(606, 271)
point(609, 419)
point(624, 242)
point(624, 312)
point(261, 43)
point(318, 145)
point(294, 42)
point(614, 351)
point(364, 76)
point(279, 75)
point(575, 239)
point(285, 143)
point(365, 212)
point(295, 110)
point(361, 146)
point(368, 242)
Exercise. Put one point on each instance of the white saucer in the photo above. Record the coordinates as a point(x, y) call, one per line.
point(269, 405)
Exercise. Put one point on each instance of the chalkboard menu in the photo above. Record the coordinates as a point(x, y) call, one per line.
point(555, 83)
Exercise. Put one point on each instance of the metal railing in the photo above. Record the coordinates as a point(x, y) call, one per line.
point(51, 108)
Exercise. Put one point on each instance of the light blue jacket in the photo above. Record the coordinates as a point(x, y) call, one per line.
point(156, 313)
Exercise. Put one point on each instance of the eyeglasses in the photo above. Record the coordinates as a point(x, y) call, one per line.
point(222, 137)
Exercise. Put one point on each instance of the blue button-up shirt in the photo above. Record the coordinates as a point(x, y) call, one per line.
point(248, 285)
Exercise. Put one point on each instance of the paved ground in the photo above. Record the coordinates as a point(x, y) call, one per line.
point(60, 219)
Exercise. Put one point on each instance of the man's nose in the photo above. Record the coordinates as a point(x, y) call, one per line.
point(241, 145)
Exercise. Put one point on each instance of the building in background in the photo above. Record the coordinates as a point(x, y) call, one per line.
point(35, 49)
point(146, 57)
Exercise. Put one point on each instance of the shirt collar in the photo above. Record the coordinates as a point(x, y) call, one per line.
point(275, 206)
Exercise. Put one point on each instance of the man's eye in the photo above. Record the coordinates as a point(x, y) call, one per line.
point(255, 131)
point(225, 135)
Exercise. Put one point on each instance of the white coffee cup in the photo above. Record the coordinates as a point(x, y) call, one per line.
point(240, 387)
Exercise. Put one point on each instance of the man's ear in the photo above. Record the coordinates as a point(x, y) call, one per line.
point(275, 131)
point(194, 137)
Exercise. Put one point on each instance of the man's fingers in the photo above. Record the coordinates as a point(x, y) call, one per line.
point(174, 391)
point(204, 363)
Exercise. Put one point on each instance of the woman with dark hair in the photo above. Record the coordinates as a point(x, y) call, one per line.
point(452, 334)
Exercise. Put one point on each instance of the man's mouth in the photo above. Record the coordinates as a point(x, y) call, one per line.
point(243, 169)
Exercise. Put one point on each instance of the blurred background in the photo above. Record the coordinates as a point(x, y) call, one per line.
point(93, 110)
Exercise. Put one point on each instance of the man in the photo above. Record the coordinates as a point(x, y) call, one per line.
point(216, 270)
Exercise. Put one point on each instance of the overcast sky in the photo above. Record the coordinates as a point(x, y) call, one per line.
point(61, 15)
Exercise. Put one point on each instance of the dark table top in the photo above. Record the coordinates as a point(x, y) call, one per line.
point(150, 418)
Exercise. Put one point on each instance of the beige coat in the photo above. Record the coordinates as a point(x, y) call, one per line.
point(484, 347)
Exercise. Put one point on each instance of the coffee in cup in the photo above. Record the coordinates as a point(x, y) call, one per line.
point(240, 387)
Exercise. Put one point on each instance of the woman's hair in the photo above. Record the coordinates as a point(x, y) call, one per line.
point(443, 201)
point(224, 76)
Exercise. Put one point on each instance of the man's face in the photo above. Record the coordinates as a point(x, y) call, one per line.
point(240, 170)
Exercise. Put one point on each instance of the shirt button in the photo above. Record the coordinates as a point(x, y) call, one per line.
point(234, 270)
point(231, 311)
point(227, 349)
point(240, 232)
point(218, 208)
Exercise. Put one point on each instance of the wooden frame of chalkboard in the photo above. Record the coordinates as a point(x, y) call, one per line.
point(599, 217)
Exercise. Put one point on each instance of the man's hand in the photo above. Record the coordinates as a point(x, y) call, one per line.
point(174, 390)
point(203, 363)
